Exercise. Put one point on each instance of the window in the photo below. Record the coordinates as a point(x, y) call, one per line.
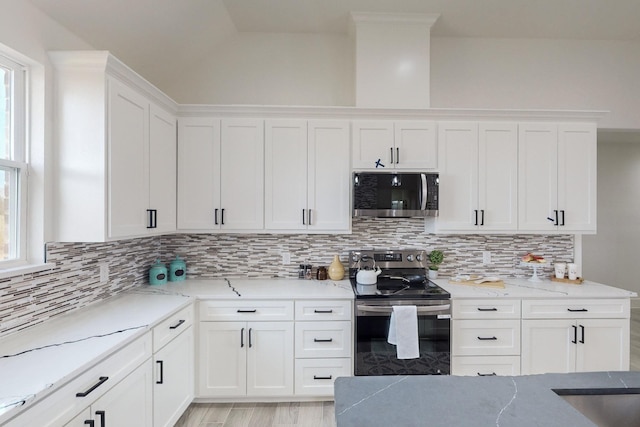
point(13, 163)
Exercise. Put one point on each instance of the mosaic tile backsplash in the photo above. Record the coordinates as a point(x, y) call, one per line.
point(74, 282)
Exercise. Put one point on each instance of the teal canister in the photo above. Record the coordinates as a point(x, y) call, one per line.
point(158, 273)
point(177, 270)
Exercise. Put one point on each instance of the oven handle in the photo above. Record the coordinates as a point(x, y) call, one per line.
point(389, 309)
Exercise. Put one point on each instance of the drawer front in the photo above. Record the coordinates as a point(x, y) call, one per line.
point(323, 339)
point(485, 365)
point(324, 310)
point(171, 327)
point(315, 377)
point(63, 404)
point(486, 309)
point(576, 309)
point(486, 337)
point(245, 310)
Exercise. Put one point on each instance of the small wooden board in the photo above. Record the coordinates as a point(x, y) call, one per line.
point(578, 281)
point(472, 282)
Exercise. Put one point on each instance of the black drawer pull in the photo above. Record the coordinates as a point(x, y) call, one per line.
point(315, 377)
point(103, 418)
point(487, 309)
point(487, 338)
point(177, 325)
point(247, 311)
point(90, 423)
point(323, 311)
point(575, 334)
point(577, 310)
point(161, 365)
point(322, 339)
point(492, 374)
point(101, 381)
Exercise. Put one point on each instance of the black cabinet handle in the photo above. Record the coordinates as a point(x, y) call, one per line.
point(492, 374)
point(576, 310)
point(149, 218)
point(90, 423)
point(476, 213)
point(575, 334)
point(303, 223)
point(316, 377)
point(241, 337)
point(482, 220)
point(323, 340)
point(562, 217)
point(487, 338)
point(582, 334)
point(556, 212)
point(309, 217)
point(397, 155)
point(101, 381)
point(103, 418)
point(487, 309)
point(323, 311)
point(177, 325)
point(215, 216)
point(250, 343)
point(161, 364)
point(246, 311)
point(222, 216)
point(391, 150)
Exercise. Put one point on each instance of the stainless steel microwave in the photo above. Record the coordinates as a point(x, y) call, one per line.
point(395, 195)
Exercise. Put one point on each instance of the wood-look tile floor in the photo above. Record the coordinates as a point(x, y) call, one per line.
point(298, 414)
point(312, 414)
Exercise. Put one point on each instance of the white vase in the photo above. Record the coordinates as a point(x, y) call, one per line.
point(433, 274)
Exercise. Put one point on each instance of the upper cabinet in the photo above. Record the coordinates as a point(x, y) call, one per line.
point(478, 176)
point(220, 174)
point(307, 175)
point(557, 177)
point(384, 145)
point(116, 151)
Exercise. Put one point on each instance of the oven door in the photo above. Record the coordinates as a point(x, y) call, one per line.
point(375, 356)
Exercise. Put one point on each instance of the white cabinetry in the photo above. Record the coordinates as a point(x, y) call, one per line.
point(478, 176)
point(557, 177)
point(394, 144)
point(307, 177)
point(486, 337)
point(245, 349)
point(220, 174)
point(174, 371)
point(575, 336)
point(323, 345)
point(115, 136)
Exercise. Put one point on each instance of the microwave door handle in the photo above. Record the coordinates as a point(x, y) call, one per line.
point(420, 309)
point(424, 193)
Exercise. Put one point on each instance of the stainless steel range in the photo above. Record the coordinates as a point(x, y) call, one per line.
point(402, 281)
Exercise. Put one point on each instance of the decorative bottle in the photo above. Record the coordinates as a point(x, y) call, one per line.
point(336, 269)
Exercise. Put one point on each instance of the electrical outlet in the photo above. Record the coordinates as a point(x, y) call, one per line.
point(104, 273)
point(286, 258)
point(486, 257)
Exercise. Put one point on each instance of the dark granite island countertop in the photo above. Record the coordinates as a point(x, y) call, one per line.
point(452, 401)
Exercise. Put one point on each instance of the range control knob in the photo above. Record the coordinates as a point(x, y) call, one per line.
point(355, 258)
point(419, 257)
point(410, 258)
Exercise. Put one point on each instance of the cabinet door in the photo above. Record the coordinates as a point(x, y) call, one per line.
point(537, 176)
point(415, 145)
point(173, 385)
point(198, 173)
point(270, 359)
point(162, 169)
point(242, 174)
point(373, 145)
point(128, 127)
point(603, 345)
point(222, 360)
point(458, 164)
point(577, 152)
point(285, 204)
point(498, 176)
point(547, 346)
point(329, 177)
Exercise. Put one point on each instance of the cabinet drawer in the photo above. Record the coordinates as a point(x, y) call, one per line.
point(323, 339)
point(315, 377)
point(171, 327)
point(245, 310)
point(323, 310)
point(576, 309)
point(63, 404)
point(486, 309)
point(485, 365)
point(486, 337)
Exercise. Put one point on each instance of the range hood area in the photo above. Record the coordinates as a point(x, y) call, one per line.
point(391, 59)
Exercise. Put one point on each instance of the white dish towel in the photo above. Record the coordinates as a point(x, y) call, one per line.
point(403, 331)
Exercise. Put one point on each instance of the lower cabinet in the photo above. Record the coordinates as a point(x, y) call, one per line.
point(127, 404)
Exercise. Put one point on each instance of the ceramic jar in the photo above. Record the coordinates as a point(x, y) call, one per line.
point(336, 269)
point(158, 273)
point(177, 270)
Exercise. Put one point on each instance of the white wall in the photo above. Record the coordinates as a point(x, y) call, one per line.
point(612, 256)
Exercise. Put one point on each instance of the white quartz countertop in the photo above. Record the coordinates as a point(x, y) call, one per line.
point(545, 289)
